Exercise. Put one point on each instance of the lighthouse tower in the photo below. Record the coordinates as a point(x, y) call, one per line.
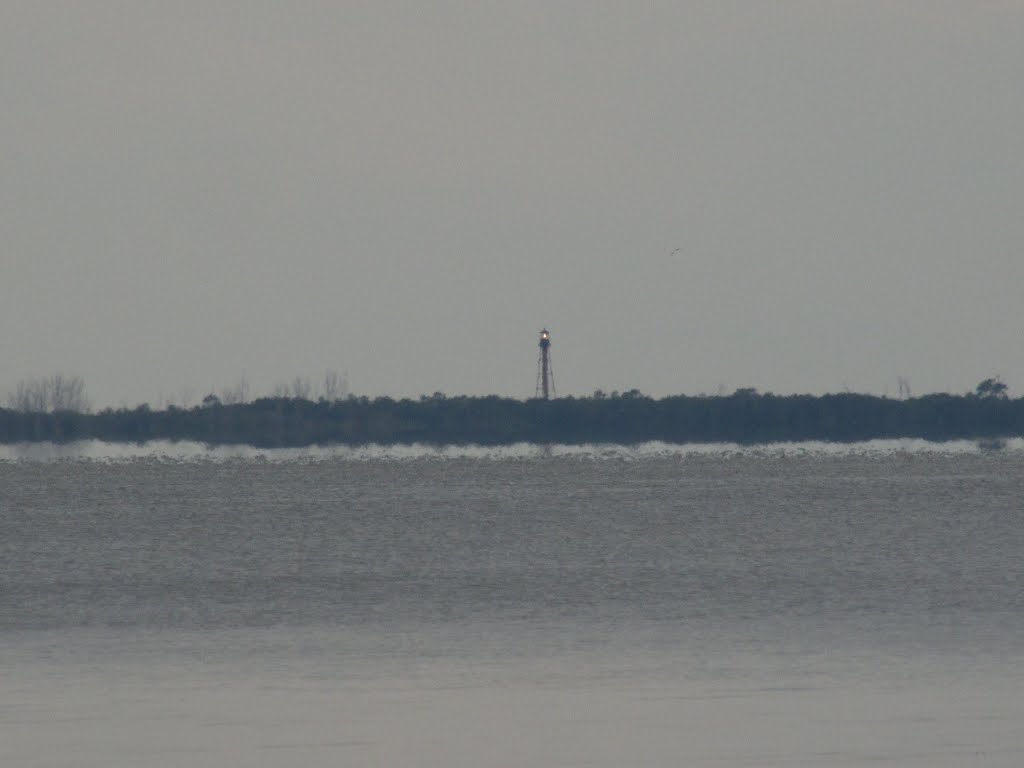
point(545, 373)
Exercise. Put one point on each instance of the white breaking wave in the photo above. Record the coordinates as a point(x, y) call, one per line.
point(95, 450)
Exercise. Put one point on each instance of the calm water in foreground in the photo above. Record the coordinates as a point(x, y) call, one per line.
point(795, 606)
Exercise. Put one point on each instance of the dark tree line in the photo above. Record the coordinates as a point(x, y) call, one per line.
point(743, 417)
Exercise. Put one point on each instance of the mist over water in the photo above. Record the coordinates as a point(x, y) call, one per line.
point(602, 606)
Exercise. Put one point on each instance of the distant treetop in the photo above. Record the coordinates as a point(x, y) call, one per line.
point(993, 387)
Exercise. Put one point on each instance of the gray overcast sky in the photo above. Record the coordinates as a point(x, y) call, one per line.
point(795, 196)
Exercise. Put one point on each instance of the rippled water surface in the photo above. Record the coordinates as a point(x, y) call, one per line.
point(654, 606)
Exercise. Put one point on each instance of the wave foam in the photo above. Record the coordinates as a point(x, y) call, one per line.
point(94, 450)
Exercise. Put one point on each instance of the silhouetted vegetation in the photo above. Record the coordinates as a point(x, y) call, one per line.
point(746, 416)
point(57, 392)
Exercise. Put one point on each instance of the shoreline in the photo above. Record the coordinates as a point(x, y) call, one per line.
point(745, 418)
